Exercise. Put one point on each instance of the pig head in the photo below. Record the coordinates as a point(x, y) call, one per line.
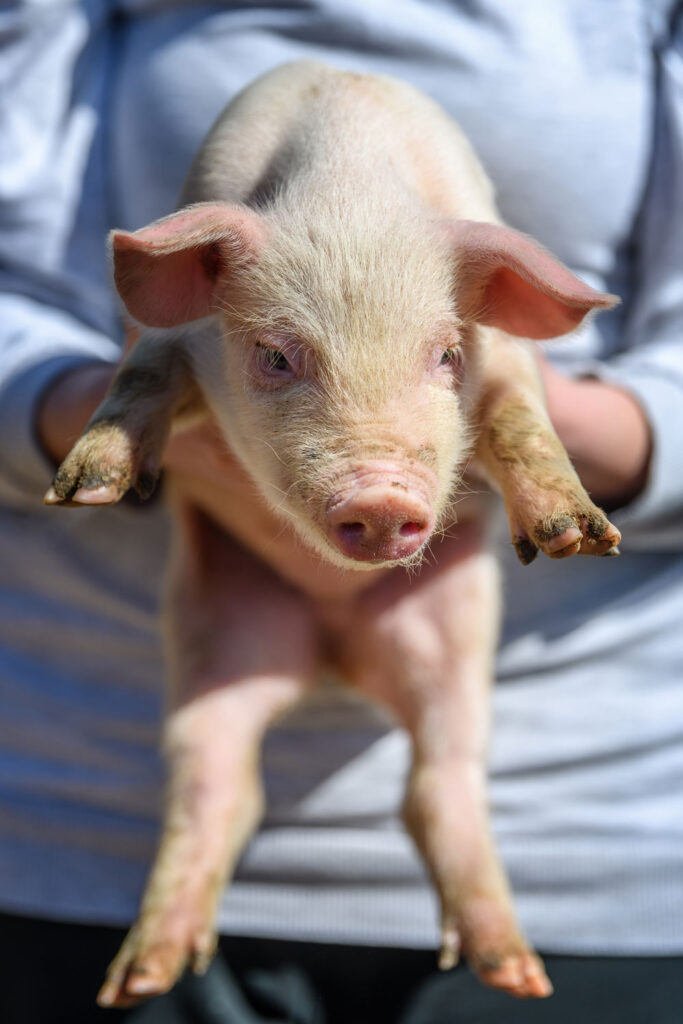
point(347, 372)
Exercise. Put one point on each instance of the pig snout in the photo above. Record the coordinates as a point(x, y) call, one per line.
point(383, 519)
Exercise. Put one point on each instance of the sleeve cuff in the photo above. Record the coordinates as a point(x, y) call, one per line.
point(38, 344)
point(25, 469)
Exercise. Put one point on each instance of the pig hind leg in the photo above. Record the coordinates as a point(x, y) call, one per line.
point(122, 445)
point(427, 654)
point(242, 651)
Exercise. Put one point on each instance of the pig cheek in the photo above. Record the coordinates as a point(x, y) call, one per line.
point(246, 428)
point(267, 432)
point(450, 437)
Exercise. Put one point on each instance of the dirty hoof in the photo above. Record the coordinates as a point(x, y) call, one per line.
point(586, 531)
point(103, 464)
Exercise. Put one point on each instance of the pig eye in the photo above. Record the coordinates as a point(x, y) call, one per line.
point(276, 360)
point(452, 356)
point(273, 360)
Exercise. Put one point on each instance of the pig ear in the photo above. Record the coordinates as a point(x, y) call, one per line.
point(170, 272)
point(507, 280)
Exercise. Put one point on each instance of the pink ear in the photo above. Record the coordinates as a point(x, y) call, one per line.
point(169, 272)
point(507, 280)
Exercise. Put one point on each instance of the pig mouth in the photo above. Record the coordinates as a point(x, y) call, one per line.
point(380, 516)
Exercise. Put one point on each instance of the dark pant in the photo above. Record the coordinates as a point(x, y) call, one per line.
point(50, 972)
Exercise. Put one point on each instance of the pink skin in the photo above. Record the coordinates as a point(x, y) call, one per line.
point(224, 695)
point(367, 615)
point(391, 636)
point(395, 637)
point(242, 574)
point(380, 513)
point(403, 645)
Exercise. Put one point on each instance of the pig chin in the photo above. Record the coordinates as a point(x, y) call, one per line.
point(367, 555)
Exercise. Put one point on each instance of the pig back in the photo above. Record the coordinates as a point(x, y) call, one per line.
point(310, 124)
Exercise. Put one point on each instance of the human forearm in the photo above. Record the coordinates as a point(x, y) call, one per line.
point(606, 433)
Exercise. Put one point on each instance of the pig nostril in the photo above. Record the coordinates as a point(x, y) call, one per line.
point(410, 529)
point(352, 530)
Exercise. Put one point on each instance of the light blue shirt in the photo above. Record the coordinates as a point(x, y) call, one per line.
point(576, 108)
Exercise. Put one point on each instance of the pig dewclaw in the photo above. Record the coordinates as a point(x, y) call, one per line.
point(338, 292)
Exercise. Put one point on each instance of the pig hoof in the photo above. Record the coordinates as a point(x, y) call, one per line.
point(520, 974)
point(449, 954)
point(138, 972)
point(526, 550)
point(149, 967)
point(494, 949)
point(586, 533)
point(104, 463)
point(566, 533)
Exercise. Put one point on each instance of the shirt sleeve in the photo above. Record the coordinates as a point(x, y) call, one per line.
point(56, 305)
point(651, 364)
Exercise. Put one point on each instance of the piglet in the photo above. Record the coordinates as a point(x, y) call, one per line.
point(337, 292)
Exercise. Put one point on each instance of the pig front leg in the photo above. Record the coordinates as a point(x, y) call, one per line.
point(547, 506)
point(122, 445)
point(242, 650)
point(424, 647)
